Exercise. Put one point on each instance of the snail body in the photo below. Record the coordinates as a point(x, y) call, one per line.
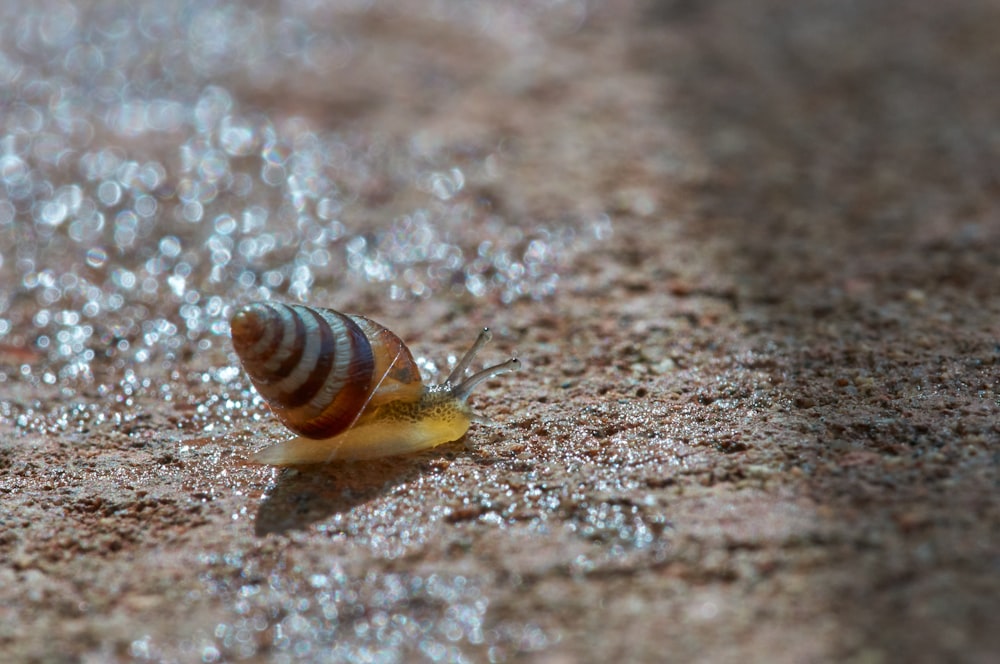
point(348, 386)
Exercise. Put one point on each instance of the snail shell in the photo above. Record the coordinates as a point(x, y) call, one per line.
point(348, 386)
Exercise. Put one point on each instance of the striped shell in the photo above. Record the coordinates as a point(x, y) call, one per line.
point(318, 369)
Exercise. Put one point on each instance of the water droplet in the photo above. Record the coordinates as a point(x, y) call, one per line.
point(177, 284)
point(237, 137)
point(53, 213)
point(13, 170)
point(109, 193)
point(96, 257)
point(145, 206)
point(445, 185)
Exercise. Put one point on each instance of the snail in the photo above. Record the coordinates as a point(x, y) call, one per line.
point(348, 386)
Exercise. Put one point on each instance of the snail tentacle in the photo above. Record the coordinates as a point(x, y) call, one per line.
point(464, 389)
point(458, 372)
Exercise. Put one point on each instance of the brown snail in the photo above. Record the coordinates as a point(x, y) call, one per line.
point(347, 386)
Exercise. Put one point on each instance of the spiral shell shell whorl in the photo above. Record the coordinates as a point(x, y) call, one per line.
point(319, 369)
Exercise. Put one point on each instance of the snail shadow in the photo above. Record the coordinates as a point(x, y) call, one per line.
point(304, 495)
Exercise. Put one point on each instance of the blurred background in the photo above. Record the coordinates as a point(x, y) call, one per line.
point(748, 250)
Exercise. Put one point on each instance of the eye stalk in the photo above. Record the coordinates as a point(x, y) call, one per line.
point(462, 390)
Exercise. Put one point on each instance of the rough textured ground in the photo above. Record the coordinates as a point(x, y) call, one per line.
point(760, 415)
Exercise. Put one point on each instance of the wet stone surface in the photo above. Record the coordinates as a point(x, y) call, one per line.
point(748, 252)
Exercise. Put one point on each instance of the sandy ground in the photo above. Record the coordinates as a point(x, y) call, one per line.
point(759, 418)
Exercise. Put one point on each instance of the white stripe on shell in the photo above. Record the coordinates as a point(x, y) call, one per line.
point(310, 354)
point(287, 344)
point(340, 370)
point(270, 331)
